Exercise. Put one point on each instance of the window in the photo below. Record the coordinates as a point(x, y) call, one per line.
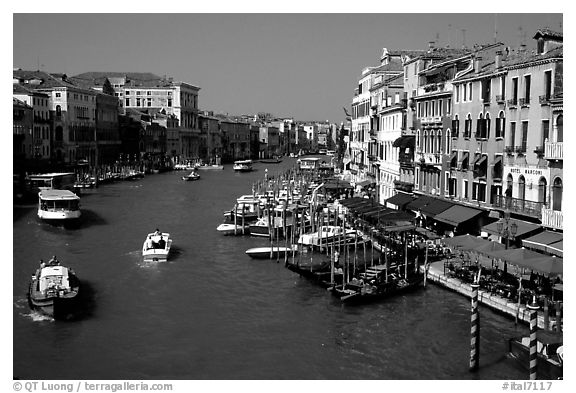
point(480, 132)
point(446, 182)
point(487, 126)
point(137, 101)
point(524, 140)
point(545, 131)
point(468, 126)
point(527, 79)
point(58, 111)
point(469, 91)
point(465, 188)
point(58, 95)
point(455, 126)
point(560, 128)
point(448, 106)
point(514, 90)
point(127, 101)
point(521, 188)
point(448, 142)
point(542, 190)
point(457, 99)
point(547, 84)
point(464, 92)
point(169, 102)
point(512, 140)
point(500, 123)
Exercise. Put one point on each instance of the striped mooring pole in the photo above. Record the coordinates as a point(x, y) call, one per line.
point(474, 330)
point(533, 341)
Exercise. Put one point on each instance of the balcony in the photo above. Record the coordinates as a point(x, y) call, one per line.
point(553, 150)
point(544, 99)
point(520, 206)
point(520, 149)
point(524, 101)
point(512, 102)
point(552, 218)
point(500, 99)
point(430, 159)
point(372, 157)
point(539, 150)
point(486, 100)
point(403, 186)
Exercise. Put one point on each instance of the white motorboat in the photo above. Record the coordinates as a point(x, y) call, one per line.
point(157, 246)
point(58, 206)
point(269, 252)
point(327, 234)
point(53, 289)
point(243, 166)
point(210, 167)
point(191, 176)
point(230, 229)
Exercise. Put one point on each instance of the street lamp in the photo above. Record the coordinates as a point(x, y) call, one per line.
point(507, 229)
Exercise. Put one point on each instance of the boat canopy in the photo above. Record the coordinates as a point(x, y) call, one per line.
point(58, 195)
point(53, 276)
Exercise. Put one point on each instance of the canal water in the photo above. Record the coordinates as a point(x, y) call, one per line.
point(211, 312)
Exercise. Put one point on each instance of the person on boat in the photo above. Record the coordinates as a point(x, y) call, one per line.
point(54, 261)
point(42, 263)
point(161, 243)
point(157, 232)
point(149, 243)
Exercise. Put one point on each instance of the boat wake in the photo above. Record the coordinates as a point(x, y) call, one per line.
point(21, 304)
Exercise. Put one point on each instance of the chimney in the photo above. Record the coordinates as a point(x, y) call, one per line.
point(477, 64)
point(430, 45)
point(498, 60)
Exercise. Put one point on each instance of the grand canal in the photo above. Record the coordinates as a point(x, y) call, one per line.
point(211, 312)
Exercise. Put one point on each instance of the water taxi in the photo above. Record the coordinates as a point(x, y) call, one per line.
point(270, 252)
point(243, 166)
point(191, 176)
point(156, 247)
point(53, 289)
point(58, 205)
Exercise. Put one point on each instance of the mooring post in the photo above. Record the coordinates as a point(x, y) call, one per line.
point(558, 316)
point(533, 341)
point(235, 218)
point(546, 314)
point(474, 329)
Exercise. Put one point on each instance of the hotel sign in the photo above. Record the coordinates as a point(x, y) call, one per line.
point(527, 171)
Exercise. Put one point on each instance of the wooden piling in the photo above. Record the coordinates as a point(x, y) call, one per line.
point(533, 307)
point(474, 329)
point(235, 218)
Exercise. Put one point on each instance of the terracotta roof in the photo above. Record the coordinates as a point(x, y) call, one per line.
point(546, 32)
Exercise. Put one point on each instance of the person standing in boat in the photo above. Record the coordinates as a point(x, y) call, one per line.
point(161, 243)
point(54, 261)
point(149, 243)
point(157, 232)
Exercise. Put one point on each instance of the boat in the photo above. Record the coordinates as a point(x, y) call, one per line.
point(213, 167)
point(269, 252)
point(243, 166)
point(86, 182)
point(191, 176)
point(58, 206)
point(132, 175)
point(367, 288)
point(231, 229)
point(157, 246)
point(53, 289)
point(549, 349)
point(246, 209)
point(328, 235)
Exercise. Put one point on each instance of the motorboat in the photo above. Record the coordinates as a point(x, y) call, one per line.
point(243, 166)
point(231, 229)
point(270, 252)
point(245, 209)
point(53, 289)
point(327, 235)
point(549, 349)
point(191, 176)
point(157, 246)
point(58, 206)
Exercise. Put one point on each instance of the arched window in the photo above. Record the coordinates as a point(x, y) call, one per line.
point(487, 125)
point(418, 139)
point(509, 184)
point(542, 190)
point(456, 125)
point(480, 131)
point(425, 141)
point(557, 194)
point(59, 134)
point(438, 148)
point(559, 128)
point(521, 188)
point(448, 149)
point(468, 126)
point(500, 125)
point(431, 142)
point(58, 111)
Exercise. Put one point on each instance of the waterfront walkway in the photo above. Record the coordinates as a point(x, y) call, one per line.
point(436, 275)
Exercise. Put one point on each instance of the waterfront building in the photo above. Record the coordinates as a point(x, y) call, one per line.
point(74, 118)
point(474, 171)
point(533, 152)
point(269, 138)
point(22, 126)
point(390, 65)
point(210, 131)
point(237, 137)
point(153, 135)
point(38, 147)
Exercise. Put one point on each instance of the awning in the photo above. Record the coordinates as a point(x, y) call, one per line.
point(453, 156)
point(524, 229)
point(497, 160)
point(541, 240)
point(428, 233)
point(350, 201)
point(467, 242)
point(404, 141)
point(419, 202)
point(556, 248)
point(465, 156)
point(532, 260)
point(481, 160)
point(457, 214)
point(365, 183)
point(401, 199)
point(435, 207)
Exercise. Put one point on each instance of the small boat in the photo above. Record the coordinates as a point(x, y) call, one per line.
point(365, 290)
point(132, 175)
point(86, 182)
point(327, 235)
point(549, 349)
point(269, 252)
point(53, 289)
point(58, 206)
point(243, 166)
point(191, 176)
point(231, 229)
point(157, 246)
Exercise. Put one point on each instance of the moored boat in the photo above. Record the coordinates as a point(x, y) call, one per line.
point(210, 167)
point(549, 349)
point(243, 166)
point(269, 252)
point(157, 246)
point(54, 289)
point(58, 206)
point(366, 290)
